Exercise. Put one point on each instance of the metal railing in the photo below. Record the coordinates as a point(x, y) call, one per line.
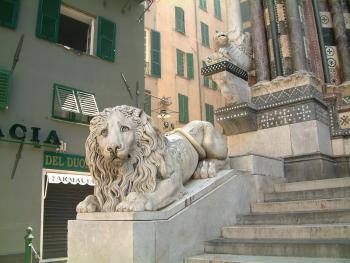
point(29, 249)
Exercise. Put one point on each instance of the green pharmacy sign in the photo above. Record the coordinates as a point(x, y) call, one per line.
point(63, 161)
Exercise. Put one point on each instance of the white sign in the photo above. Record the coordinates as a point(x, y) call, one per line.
point(57, 178)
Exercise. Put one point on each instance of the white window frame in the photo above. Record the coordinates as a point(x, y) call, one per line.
point(85, 18)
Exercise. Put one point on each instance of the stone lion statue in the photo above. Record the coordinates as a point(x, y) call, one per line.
point(136, 168)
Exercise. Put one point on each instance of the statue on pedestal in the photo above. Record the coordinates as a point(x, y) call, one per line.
point(233, 55)
point(136, 168)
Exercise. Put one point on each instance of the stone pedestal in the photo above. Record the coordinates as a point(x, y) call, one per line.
point(231, 79)
point(169, 235)
point(287, 118)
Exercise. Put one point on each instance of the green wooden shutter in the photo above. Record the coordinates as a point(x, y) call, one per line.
point(183, 108)
point(190, 69)
point(217, 9)
point(179, 19)
point(156, 69)
point(203, 4)
point(48, 20)
point(205, 34)
point(205, 79)
point(87, 103)
point(180, 62)
point(214, 85)
point(5, 77)
point(9, 13)
point(245, 11)
point(209, 113)
point(106, 39)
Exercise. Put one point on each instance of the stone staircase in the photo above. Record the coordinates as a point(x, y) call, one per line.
point(299, 222)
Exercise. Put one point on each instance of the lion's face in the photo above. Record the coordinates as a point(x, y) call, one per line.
point(221, 39)
point(116, 138)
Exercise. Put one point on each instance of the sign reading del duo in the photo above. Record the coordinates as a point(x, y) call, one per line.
point(63, 161)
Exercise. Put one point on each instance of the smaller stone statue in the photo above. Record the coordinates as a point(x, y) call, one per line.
point(136, 168)
point(236, 50)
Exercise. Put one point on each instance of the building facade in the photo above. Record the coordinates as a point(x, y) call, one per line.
point(178, 36)
point(61, 62)
point(299, 84)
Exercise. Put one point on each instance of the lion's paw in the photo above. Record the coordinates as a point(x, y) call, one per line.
point(88, 205)
point(205, 169)
point(134, 202)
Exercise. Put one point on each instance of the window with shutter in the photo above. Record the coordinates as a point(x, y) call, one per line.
point(87, 102)
point(214, 85)
point(205, 79)
point(106, 39)
point(190, 68)
point(203, 5)
point(217, 9)
point(9, 13)
point(73, 105)
point(156, 69)
point(209, 113)
point(183, 108)
point(48, 19)
point(179, 19)
point(205, 34)
point(5, 78)
point(180, 62)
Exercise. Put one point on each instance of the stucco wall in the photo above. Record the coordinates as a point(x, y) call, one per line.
point(41, 65)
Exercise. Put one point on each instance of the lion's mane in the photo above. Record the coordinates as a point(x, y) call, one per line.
point(139, 173)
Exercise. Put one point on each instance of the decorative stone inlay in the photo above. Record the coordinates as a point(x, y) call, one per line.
point(285, 107)
point(346, 100)
point(224, 66)
point(300, 78)
point(344, 120)
point(287, 96)
point(334, 120)
point(292, 114)
point(237, 119)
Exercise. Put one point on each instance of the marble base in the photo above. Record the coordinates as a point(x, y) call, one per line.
point(309, 167)
point(288, 140)
point(168, 235)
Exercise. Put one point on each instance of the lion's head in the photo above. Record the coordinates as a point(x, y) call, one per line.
point(124, 152)
point(221, 39)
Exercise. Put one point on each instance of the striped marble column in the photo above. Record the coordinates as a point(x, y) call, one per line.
point(341, 38)
point(283, 37)
point(312, 39)
point(259, 40)
point(296, 36)
point(329, 45)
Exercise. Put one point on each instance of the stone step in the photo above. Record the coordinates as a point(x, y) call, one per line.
point(304, 205)
point(313, 185)
point(332, 248)
point(327, 193)
point(295, 218)
point(226, 258)
point(321, 231)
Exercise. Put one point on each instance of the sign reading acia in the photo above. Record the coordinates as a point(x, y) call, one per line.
point(63, 161)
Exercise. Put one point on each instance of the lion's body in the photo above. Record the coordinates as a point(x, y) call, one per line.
point(136, 168)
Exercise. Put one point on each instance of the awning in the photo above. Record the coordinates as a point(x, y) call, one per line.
point(57, 178)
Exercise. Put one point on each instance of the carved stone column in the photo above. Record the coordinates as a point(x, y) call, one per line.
point(341, 38)
point(234, 18)
point(259, 40)
point(296, 36)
